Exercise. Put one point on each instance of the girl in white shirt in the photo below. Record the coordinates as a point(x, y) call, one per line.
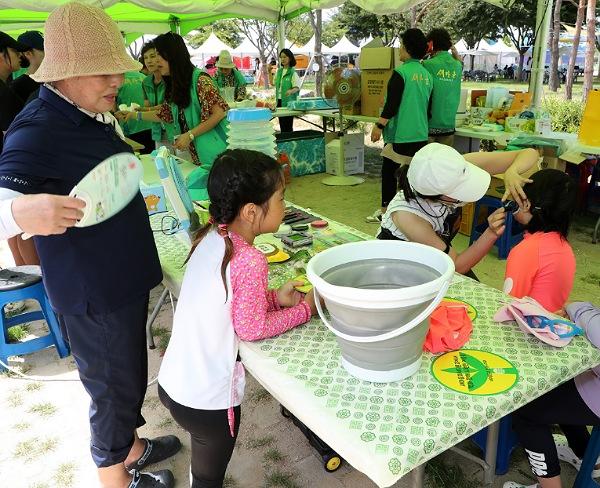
point(224, 298)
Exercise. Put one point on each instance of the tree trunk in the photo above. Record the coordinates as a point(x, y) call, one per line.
point(413, 17)
point(590, 49)
point(554, 81)
point(574, 49)
point(318, 55)
point(520, 68)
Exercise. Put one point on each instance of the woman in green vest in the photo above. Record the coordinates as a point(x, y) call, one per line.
point(404, 119)
point(287, 86)
point(154, 94)
point(192, 103)
point(228, 76)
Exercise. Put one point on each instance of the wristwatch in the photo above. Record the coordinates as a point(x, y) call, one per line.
point(379, 125)
point(191, 135)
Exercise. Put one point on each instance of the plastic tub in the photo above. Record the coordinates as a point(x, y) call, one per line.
point(380, 295)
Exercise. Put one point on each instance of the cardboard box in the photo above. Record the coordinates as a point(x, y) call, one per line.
point(376, 64)
point(354, 153)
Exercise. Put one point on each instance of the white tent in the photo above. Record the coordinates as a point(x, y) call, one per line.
point(506, 54)
point(246, 47)
point(344, 46)
point(365, 41)
point(212, 45)
point(461, 47)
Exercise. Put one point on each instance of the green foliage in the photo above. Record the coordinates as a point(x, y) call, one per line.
point(226, 30)
point(17, 333)
point(299, 30)
point(565, 114)
point(333, 31)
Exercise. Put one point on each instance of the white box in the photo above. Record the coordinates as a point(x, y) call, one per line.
point(354, 153)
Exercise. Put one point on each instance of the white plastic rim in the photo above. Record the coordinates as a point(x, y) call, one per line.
point(382, 376)
point(374, 249)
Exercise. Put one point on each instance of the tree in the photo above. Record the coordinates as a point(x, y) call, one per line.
point(332, 32)
point(316, 22)
point(226, 30)
point(554, 81)
point(299, 30)
point(590, 48)
point(575, 48)
point(263, 36)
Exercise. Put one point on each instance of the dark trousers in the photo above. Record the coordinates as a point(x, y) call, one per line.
point(533, 425)
point(286, 124)
point(144, 138)
point(389, 182)
point(212, 443)
point(111, 356)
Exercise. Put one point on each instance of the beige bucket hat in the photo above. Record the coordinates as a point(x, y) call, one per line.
point(225, 60)
point(82, 40)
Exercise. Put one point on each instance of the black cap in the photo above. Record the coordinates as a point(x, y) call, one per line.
point(7, 41)
point(32, 40)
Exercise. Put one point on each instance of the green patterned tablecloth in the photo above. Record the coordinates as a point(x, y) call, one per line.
point(387, 429)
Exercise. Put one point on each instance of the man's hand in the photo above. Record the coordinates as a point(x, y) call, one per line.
point(45, 215)
point(375, 134)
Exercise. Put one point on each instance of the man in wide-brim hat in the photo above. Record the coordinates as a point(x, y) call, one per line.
point(98, 278)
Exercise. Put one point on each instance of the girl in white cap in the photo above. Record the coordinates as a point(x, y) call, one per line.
point(97, 278)
point(228, 76)
point(437, 182)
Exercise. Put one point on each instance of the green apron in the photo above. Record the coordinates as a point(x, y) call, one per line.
point(155, 94)
point(220, 81)
point(447, 75)
point(209, 144)
point(283, 82)
point(410, 123)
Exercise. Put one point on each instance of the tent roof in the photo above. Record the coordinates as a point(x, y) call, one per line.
point(344, 46)
point(246, 47)
point(212, 45)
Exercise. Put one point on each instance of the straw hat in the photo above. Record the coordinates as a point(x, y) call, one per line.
point(225, 60)
point(81, 40)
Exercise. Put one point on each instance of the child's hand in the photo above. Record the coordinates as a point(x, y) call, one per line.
point(287, 295)
point(496, 222)
point(310, 299)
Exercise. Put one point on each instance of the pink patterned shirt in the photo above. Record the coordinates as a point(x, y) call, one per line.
point(255, 311)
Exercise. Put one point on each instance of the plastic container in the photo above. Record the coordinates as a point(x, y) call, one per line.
point(251, 128)
point(380, 295)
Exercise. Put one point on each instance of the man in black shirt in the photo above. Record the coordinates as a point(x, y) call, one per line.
point(24, 86)
point(10, 103)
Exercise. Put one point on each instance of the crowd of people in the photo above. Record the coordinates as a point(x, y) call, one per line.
point(60, 119)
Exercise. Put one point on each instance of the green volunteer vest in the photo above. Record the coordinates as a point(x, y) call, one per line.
point(131, 91)
point(155, 94)
point(283, 82)
point(410, 123)
point(447, 75)
point(210, 144)
point(221, 81)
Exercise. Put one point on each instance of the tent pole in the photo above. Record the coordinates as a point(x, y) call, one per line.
point(281, 33)
point(542, 27)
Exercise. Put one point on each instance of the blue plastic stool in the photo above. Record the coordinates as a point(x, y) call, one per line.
point(513, 234)
point(25, 283)
point(507, 441)
point(584, 478)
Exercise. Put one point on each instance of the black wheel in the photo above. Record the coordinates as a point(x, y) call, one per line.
point(284, 412)
point(332, 462)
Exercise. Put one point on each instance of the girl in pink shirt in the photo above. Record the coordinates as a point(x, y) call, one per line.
point(542, 266)
point(225, 298)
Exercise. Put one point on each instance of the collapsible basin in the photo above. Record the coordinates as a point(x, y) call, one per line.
point(380, 295)
point(251, 128)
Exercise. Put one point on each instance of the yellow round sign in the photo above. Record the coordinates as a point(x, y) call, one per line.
point(474, 372)
point(471, 310)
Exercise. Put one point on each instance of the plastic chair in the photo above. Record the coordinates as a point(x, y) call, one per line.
point(584, 478)
point(507, 441)
point(513, 234)
point(25, 283)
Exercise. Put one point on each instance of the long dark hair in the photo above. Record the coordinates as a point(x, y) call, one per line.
point(290, 56)
point(171, 47)
point(552, 195)
point(238, 177)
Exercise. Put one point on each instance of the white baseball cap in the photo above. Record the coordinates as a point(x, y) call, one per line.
point(437, 169)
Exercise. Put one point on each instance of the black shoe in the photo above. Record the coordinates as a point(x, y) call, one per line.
point(156, 450)
point(157, 479)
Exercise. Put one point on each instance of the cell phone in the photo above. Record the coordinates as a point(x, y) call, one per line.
point(511, 206)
